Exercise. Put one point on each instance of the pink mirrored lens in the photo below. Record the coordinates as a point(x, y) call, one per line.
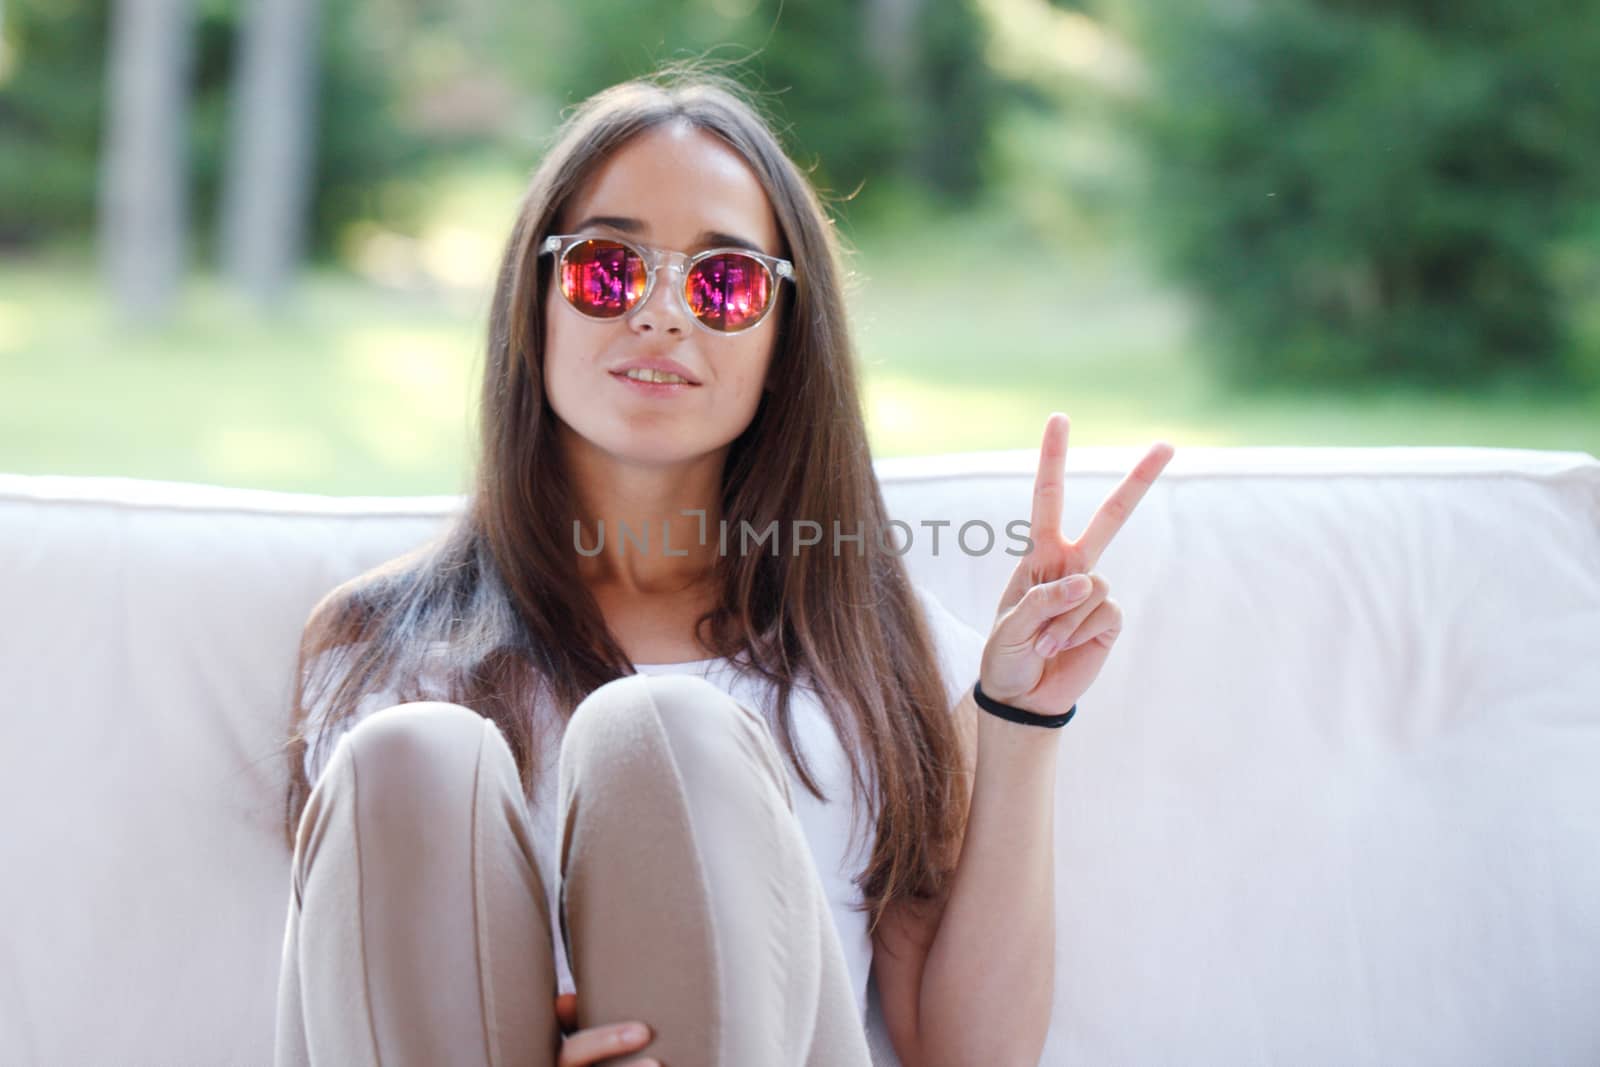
point(602, 278)
point(728, 292)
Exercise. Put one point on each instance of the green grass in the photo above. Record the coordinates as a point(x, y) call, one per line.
point(357, 391)
point(367, 389)
point(960, 359)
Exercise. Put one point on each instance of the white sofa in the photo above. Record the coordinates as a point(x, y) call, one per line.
point(1333, 799)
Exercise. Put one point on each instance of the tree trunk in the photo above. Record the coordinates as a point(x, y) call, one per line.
point(889, 29)
point(143, 198)
point(266, 190)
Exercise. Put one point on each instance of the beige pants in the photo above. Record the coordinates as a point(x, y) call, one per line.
point(418, 930)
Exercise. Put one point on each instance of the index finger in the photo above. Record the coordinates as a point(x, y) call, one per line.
point(1111, 515)
point(1047, 483)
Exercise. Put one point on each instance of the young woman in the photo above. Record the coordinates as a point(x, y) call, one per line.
point(621, 734)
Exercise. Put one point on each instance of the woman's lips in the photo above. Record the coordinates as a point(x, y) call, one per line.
point(653, 388)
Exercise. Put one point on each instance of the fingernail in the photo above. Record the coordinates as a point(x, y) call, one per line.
point(1046, 645)
point(1078, 586)
point(633, 1033)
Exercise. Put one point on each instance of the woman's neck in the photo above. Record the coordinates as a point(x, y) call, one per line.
point(645, 529)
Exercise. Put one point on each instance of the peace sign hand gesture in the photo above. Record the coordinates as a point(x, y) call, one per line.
point(1056, 622)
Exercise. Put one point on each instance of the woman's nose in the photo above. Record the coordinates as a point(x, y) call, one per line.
point(663, 310)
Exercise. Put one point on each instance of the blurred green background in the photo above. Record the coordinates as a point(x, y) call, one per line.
point(1304, 223)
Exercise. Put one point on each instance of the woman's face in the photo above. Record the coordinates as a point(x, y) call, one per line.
point(672, 187)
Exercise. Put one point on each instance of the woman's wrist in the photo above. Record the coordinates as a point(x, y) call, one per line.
point(1011, 713)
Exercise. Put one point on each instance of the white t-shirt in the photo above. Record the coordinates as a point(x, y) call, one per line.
point(827, 826)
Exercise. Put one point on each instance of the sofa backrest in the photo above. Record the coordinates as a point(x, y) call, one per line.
point(1332, 800)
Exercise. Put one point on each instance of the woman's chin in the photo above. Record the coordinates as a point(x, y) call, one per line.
point(659, 451)
point(644, 440)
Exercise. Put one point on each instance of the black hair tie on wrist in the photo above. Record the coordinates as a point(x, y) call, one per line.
point(1026, 718)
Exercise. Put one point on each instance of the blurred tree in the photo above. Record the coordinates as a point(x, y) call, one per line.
point(890, 32)
point(863, 90)
point(953, 101)
point(1369, 191)
point(143, 175)
point(52, 88)
point(54, 102)
point(272, 129)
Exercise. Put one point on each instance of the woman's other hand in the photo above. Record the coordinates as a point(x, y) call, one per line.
point(579, 1048)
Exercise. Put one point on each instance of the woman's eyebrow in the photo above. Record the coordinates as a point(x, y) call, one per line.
point(710, 238)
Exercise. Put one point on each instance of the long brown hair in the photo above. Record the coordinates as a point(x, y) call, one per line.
point(500, 590)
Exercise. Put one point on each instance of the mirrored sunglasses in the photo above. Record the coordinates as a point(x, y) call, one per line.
point(725, 290)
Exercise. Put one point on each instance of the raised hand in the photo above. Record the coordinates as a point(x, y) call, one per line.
point(1056, 622)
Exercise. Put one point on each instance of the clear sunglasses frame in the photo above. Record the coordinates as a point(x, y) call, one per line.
point(777, 270)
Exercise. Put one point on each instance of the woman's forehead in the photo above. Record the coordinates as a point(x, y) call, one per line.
point(676, 184)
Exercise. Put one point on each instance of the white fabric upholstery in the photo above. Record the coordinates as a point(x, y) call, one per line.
point(1333, 799)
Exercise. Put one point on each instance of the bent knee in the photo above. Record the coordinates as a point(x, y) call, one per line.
point(661, 696)
point(629, 717)
point(409, 746)
point(686, 696)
